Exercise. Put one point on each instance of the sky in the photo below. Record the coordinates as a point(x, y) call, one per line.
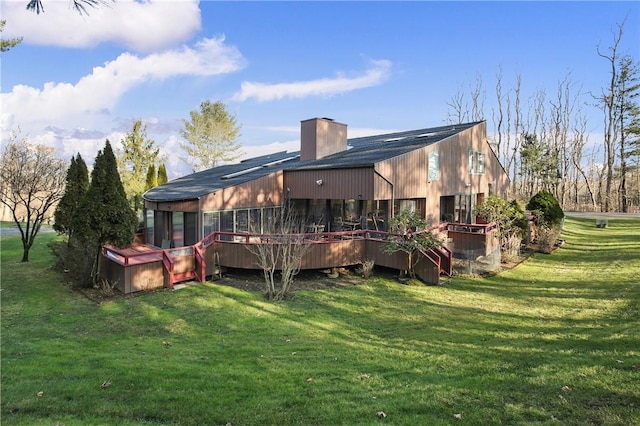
point(379, 67)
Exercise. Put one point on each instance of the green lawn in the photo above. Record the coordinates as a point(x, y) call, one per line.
point(554, 341)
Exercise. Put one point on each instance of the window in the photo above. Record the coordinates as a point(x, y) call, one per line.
point(210, 222)
point(177, 223)
point(150, 224)
point(242, 221)
point(476, 163)
point(434, 165)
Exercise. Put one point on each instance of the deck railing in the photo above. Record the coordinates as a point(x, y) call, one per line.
point(440, 257)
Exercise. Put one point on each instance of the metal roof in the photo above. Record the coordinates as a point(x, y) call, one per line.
point(363, 152)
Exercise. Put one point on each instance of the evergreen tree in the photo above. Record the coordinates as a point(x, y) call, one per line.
point(162, 175)
point(104, 215)
point(152, 178)
point(545, 203)
point(77, 184)
point(137, 154)
point(211, 136)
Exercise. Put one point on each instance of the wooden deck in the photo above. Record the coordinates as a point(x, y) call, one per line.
point(143, 267)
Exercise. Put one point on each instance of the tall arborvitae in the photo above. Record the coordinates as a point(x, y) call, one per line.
point(77, 184)
point(162, 174)
point(152, 178)
point(104, 215)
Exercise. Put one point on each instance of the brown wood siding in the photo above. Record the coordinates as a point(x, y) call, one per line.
point(322, 255)
point(408, 173)
point(133, 278)
point(174, 206)
point(265, 191)
point(463, 242)
point(337, 184)
point(427, 271)
point(454, 166)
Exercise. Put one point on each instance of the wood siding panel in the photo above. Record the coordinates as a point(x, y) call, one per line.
point(133, 278)
point(454, 165)
point(463, 242)
point(408, 173)
point(337, 184)
point(262, 192)
point(322, 255)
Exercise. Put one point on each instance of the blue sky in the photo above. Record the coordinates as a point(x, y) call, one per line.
point(375, 66)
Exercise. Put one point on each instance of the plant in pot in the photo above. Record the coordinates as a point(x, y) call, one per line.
point(409, 234)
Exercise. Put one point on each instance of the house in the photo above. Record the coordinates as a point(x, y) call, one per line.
point(336, 184)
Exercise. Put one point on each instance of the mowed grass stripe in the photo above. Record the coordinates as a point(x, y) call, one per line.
point(554, 341)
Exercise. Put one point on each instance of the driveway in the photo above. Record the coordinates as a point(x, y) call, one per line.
point(16, 231)
point(599, 215)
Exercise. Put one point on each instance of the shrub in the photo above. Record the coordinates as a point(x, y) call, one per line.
point(510, 218)
point(547, 237)
point(409, 234)
point(545, 203)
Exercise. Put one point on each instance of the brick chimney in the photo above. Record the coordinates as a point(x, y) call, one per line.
point(320, 137)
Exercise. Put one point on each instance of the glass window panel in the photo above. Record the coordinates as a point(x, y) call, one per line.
point(211, 222)
point(149, 224)
point(242, 220)
point(434, 165)
point(177, 224)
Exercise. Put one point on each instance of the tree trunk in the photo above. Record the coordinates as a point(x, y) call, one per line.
point(25, 254)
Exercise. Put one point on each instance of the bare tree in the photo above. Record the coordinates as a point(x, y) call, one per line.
point(280, 248)
point(608, 101)
point(460, 112)
point(32, 182)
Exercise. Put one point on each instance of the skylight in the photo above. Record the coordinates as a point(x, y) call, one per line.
point(273, 163)
point(241, 172)
point(256, 168)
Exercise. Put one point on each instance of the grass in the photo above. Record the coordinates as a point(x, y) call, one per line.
point(554, 341)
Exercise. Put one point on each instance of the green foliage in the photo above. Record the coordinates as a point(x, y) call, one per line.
point(152, 178)
point(162, 175)
point(138, 153)
point(539, 164)
point(508, 215)
point(211, 136)
point(104, 215)
point(408, 234)
point(77, 184)
point(6, 44)
point(545, 203)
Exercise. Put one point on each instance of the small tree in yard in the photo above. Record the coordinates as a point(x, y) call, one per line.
point(281, 248)
point(31, 183)
point(510, 220)
point(77, 185)
point(409, 234)
point(104, 215)
point(548, 218)
point(545, 203)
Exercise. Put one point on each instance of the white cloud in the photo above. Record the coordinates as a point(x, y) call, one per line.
point(94, 95)
point(137, 25)
point(263, 92)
